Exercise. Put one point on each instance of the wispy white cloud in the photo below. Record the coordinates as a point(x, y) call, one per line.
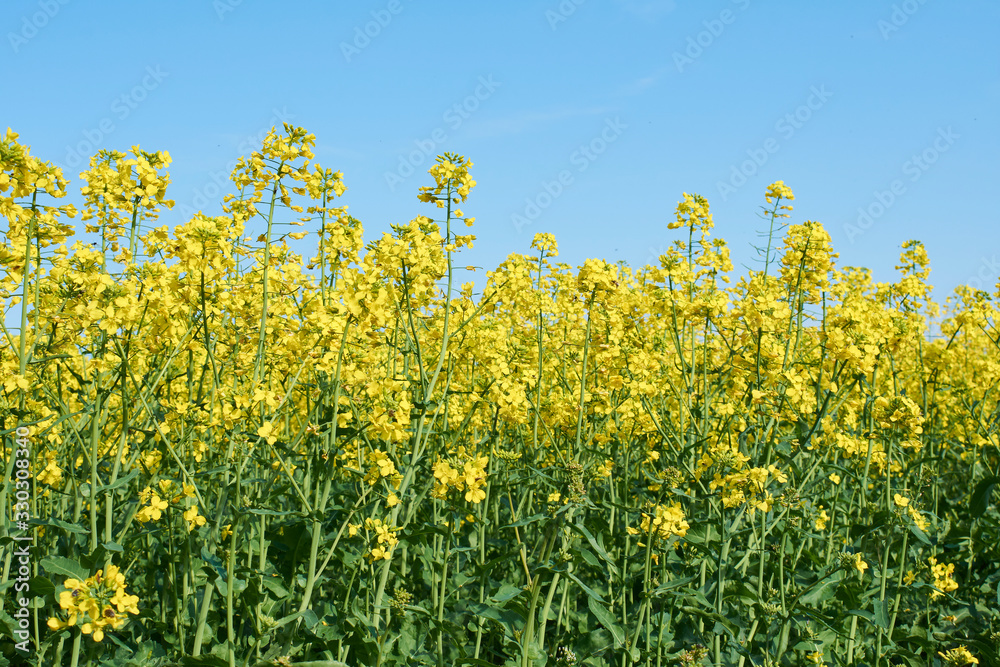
point(643, 83)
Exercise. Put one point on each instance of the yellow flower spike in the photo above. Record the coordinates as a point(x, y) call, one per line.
point(100, 600)
point(958, 657)
point(918, 518)
point(943, 580)
point(778, 190)
point(546, 244)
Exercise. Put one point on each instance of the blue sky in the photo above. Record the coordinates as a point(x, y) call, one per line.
point(584, 118)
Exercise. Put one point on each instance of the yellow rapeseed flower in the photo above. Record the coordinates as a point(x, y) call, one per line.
point(193, 518)
point(958, 657)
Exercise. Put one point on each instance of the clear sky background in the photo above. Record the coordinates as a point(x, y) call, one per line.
point(882, 116)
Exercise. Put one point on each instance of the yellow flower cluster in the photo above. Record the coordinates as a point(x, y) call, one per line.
point(468, 475)
point(958, 657)
point(452, 181)
point(97, 603)
point(898, 412)
point(153, 504)
point(51, 474)
point(853, 561)
point(546, 244)
point(381, 540)
point(333, 375)
point(943, 580)
point(23, 177)
point(382, 467)
point(918, 518)
point(778, 191)
point(748, 486)
point(124, 190)
point(692, 213)
point(664, 522)
point(603, 470)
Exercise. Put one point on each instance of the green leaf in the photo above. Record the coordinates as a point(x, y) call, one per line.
point(676, 583)
point(882, 614)
point(214, 562)
point(589, 557)
point(981, 496)
point(601, 551)
point(823, 591)
point(7, 624)
point(508, 618)
point(919, 534)
point(58, 523)
point(119, 643)
point(867, 615)
point(703, 534)
point(65, 566)
point(122, 481)
point(526, 521)
point(266, 512)
point(40, 586)
point(274, 585)
point(506, 592)
point(720, 621)
point(607, 620)
point(586, 589)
